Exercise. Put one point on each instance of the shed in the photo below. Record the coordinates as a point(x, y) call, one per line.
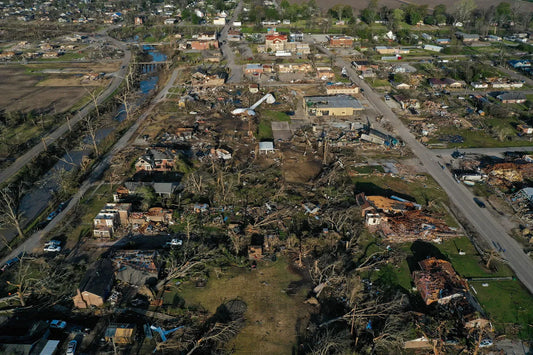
point(120, 333)
point(266, 147)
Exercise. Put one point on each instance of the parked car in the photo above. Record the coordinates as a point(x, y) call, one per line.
point(71, 349)
point(52, 242)
point(175, 242)
point(51, 216)
point(9, 263)
point(485, 343)
point(479, 202)
point(53, 248)
point(58, 324)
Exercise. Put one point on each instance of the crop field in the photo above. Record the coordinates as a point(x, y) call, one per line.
point(48, 86)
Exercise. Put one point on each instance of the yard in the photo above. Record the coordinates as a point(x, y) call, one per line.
point(273, 317)
point(508, 304)
point(264, 128)
point(423, 189)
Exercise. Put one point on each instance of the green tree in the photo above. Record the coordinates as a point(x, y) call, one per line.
point(430, 20)
point(503, 11)
point(398, 16)
point(147, 195)
point(439, 10)
point(440, 18)
point(370, 13)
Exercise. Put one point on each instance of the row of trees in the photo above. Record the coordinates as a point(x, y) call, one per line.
point(464, 11)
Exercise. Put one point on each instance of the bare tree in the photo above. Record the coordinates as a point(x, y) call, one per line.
point(219, 333)
point(90, 124)
point(178, 266)
point(11, 212)
point(22, 281)
point(238, 241)
point(124, 99)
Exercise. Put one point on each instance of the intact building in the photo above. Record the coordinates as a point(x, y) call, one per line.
point(335, 105)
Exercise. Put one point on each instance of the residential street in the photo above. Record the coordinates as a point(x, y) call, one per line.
point(34, 240)
point(484, 223)
point(235, 75)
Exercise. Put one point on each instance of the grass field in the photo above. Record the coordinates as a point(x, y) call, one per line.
point(264, 129)
point(507, 302)
point(272, 317)
point(470, 264)
point(422, 191)
point(478, 139)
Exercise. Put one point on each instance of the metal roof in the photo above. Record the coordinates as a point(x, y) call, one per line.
point(333, 101)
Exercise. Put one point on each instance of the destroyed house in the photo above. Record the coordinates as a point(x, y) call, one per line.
point(136, 267)
point(109, 218)
point(325, 73)
point(144, 260)
point(155, 160)
point(165, 189)
point(335, 105)
point(95, 286)
point(120, 333)
point(389, 205)
point(437, 281)
point(203, 79)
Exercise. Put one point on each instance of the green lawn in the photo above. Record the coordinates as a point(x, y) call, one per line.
point(368, 169)
point(272, 317)
point(469, 265)
point(264, 128)
point(507, 302)
point(477, 139)
point(422, 190)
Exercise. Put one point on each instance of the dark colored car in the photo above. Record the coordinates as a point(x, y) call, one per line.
point(479, 202)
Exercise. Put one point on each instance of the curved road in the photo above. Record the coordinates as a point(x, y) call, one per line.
point(483, 222)
point(14, 168)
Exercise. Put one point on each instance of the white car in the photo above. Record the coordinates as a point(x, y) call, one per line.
point(485, 343)
point(52, 242)
point(53, 248)
point(175, 242)
point(58, 324)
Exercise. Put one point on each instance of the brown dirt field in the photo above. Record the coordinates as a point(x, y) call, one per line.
point(71, 81)
point(301, 172)
point(78, 68)
point(19, 92)
point(358, 5)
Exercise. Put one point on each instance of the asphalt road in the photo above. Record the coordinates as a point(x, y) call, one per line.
point(483, 222)
point(36, 238)
point(236, 73)
point(14, 168)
